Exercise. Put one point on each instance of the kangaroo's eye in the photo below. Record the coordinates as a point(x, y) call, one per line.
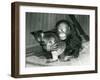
point(43, 43)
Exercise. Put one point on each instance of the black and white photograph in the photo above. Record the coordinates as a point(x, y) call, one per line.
point(52, 39)
point(57, 39)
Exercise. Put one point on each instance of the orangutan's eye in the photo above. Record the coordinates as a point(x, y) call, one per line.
point(50, 42)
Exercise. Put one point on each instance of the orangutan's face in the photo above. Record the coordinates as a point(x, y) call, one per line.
point(63, 31)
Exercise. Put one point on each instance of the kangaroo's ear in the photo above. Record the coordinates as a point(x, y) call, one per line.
point(33, 33)
point(38, 35)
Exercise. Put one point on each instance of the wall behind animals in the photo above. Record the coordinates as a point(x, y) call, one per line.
point(5, 40)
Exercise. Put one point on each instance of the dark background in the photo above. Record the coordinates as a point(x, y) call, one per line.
point(47, 21)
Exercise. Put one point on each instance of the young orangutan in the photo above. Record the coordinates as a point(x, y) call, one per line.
point(68, 33)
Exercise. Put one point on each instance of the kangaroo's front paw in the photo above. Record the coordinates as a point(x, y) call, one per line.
point(67, 58)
